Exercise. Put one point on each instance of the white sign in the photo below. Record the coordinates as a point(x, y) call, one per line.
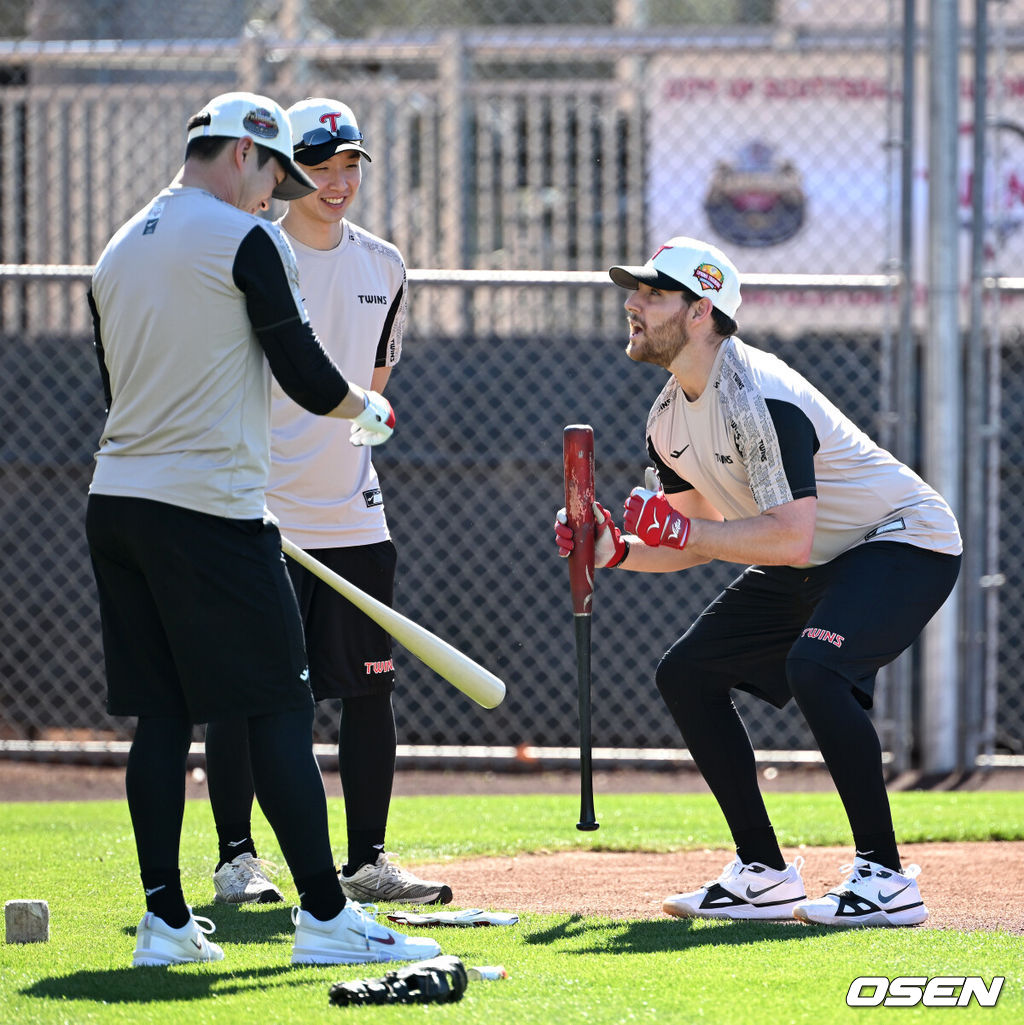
point(790, 163)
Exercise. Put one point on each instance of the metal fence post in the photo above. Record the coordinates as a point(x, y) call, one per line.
point(942, 446)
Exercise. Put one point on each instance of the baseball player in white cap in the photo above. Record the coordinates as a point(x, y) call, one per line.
point(195, 306)
point(850, 554)
point(328, 499)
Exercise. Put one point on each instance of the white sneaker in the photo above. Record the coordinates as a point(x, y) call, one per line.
point(354, 936)
point(752, 891)
point(156, 943)
point(385, 881)
point(872, 895)
point(243, 880)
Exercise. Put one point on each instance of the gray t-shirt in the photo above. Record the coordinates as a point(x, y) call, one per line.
point(191, 298)
point(761, 435)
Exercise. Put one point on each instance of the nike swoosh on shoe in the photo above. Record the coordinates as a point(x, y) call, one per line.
point(754, 894)
point(387, 940)
point(886, 898)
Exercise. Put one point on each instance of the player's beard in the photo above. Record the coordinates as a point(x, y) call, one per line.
point(662, 344)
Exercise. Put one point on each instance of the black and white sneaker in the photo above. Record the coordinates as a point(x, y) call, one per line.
point(872, 895)
point(749, 892)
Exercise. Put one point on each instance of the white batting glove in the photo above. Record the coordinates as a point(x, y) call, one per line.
point(375, 424)
point(610, 547)
point(609, 544)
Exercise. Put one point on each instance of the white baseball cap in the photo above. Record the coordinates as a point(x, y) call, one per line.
point(238, 115)
point(323, 127)
point(687, 263)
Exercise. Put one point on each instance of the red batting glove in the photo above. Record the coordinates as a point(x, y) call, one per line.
point(654, 521)
point(563, 534)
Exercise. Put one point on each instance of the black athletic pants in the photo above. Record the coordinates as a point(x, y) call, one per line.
point(818, 635)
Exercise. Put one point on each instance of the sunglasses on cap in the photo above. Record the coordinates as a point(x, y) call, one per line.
point(344, 133)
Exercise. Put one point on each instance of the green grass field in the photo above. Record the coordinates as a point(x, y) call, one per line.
point(563, 968)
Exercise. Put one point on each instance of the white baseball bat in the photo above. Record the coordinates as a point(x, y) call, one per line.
point(449, 663)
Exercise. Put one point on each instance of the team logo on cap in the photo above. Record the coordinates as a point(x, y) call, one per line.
point(333, 116)
point(259, 121)
point(709, 276)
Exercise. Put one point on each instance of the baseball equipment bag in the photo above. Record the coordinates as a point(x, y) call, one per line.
point(441, 980)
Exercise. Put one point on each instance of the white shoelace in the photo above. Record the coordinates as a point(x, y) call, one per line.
point(204, 925)
point(854, 878)
point(251, 867)
point(730, 871)
point(735, 867)
point(390, 869)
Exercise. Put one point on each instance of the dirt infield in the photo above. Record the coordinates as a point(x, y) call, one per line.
point(964, 885)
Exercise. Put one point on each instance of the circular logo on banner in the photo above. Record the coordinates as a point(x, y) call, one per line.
point(755, 201)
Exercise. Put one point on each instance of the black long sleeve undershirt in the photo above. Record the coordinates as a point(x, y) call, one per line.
point(297, 360)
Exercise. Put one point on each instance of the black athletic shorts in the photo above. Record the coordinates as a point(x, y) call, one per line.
point(199, 616)
point(852, 615)
point(349, 654)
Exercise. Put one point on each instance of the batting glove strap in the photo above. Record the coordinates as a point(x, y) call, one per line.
point(610, 548)
point(654, 521)
point(376, 423)
point(625, 554)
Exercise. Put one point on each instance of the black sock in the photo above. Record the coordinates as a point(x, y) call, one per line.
point(320, 894)
point(234, 838)
point(761, 846)
point(164, 897)
point(364, 847)
point(879, 848)
point(366, 763)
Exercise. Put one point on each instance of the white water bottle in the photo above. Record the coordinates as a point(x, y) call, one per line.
point(487, 973)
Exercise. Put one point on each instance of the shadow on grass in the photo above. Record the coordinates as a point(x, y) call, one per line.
point(152, 985)
point(582, 935)
point(243, 923)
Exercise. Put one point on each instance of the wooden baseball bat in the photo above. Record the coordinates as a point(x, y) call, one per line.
point(449, 663)
point(578, 466)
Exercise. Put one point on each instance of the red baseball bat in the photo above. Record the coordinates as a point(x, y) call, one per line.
point(578, 465)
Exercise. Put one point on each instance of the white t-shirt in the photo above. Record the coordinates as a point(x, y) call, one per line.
point(323, 489)
point(727, 445)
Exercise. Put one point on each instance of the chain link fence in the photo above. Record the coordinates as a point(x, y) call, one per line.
point(518, 151)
